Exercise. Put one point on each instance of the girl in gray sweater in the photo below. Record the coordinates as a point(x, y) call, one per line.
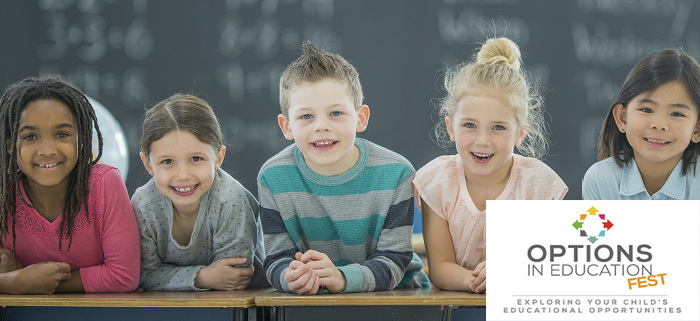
point(199, 226)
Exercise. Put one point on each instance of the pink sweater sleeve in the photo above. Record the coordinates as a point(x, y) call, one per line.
point(119, 236)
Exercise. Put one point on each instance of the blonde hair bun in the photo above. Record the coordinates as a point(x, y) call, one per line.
point(499, 51)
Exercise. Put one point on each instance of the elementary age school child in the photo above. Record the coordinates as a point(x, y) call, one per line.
point(66, 224)
point(648, 146)
point(337, 211)
point(489, 110)
point(198, 224)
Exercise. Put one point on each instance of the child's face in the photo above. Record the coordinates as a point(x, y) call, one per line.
point(485, 131)
point(184, 168)
point(659, 126)
point(323, 122)
point(47, 143)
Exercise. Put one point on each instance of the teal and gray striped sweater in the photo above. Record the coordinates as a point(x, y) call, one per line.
point(362, 219)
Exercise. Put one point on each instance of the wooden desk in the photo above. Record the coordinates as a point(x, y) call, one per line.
point(387, 305)
point(222, 305)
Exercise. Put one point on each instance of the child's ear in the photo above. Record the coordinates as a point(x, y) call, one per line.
point(620, 114)
point(284, 126)
point(362, 118)
point(521, 135)
point(220, 156)
point(146, 163)
point(450, 131)
point(696, 134)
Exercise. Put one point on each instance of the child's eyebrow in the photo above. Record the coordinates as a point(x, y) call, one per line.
point(64, 125)
point(503, 122)
point(27, 128)
point(302, 109)
point(649, 101)
point(684, 106)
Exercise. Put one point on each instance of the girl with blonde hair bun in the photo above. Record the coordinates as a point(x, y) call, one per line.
point(490, 108)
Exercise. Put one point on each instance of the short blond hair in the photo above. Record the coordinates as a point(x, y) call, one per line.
point(315, 65)
point(498, 66)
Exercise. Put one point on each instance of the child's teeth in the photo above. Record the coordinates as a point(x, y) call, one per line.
point(184, 190)
point(48, 165)
point(323, 143)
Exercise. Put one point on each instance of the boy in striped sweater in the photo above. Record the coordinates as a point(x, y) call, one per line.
point(337, 211)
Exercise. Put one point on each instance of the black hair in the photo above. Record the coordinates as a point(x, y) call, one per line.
point(13, 101)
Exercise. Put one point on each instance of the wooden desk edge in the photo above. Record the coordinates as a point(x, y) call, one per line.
point(223, 299)
point(263, 302)
point(116, 303)
point(263, 297)
point(435, 298)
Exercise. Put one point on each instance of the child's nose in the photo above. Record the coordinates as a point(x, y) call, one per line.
point(482, 137)
point(659, 123)
point(182, 172)
point(321, 125)
point(47, 148)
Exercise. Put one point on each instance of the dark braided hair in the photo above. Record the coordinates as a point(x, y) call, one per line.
point(13, 101)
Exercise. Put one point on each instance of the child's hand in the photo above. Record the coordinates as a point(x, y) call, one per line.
point(301, 278)
point(40, 278)
point(8, 263)
point(224, 275)
point(479, 281)
point(329, 275)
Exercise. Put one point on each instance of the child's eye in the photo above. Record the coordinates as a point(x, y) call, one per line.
point(646, 110)
point(306, 116)
point(167, 162)
point(336, 113)
point(470, 125)
point(499, 127)
point(677, 114)
point(62, 135)
point(29, 137)
point(197, 159)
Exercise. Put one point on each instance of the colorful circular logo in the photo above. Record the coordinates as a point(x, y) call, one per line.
point(594, 229)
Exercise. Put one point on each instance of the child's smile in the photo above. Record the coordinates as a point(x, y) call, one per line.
point(481, 158)
point(324, 144)
point(184, 190)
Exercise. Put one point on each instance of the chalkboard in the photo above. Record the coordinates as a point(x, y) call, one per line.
point(130, 54)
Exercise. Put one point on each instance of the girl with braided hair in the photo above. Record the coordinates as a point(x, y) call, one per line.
point(66, 224)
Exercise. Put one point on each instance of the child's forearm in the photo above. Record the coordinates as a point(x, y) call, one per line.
point(450, 276)
point(73, 285)
point(7, 283)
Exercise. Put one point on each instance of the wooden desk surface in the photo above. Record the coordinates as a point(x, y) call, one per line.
point(207, 299)
point(396, 297)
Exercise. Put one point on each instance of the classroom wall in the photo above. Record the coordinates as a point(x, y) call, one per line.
point(131, 54)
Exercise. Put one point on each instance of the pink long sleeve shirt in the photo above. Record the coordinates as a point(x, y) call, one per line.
point(105, 248)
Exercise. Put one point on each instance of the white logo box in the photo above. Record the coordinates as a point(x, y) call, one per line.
point(671, 229)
